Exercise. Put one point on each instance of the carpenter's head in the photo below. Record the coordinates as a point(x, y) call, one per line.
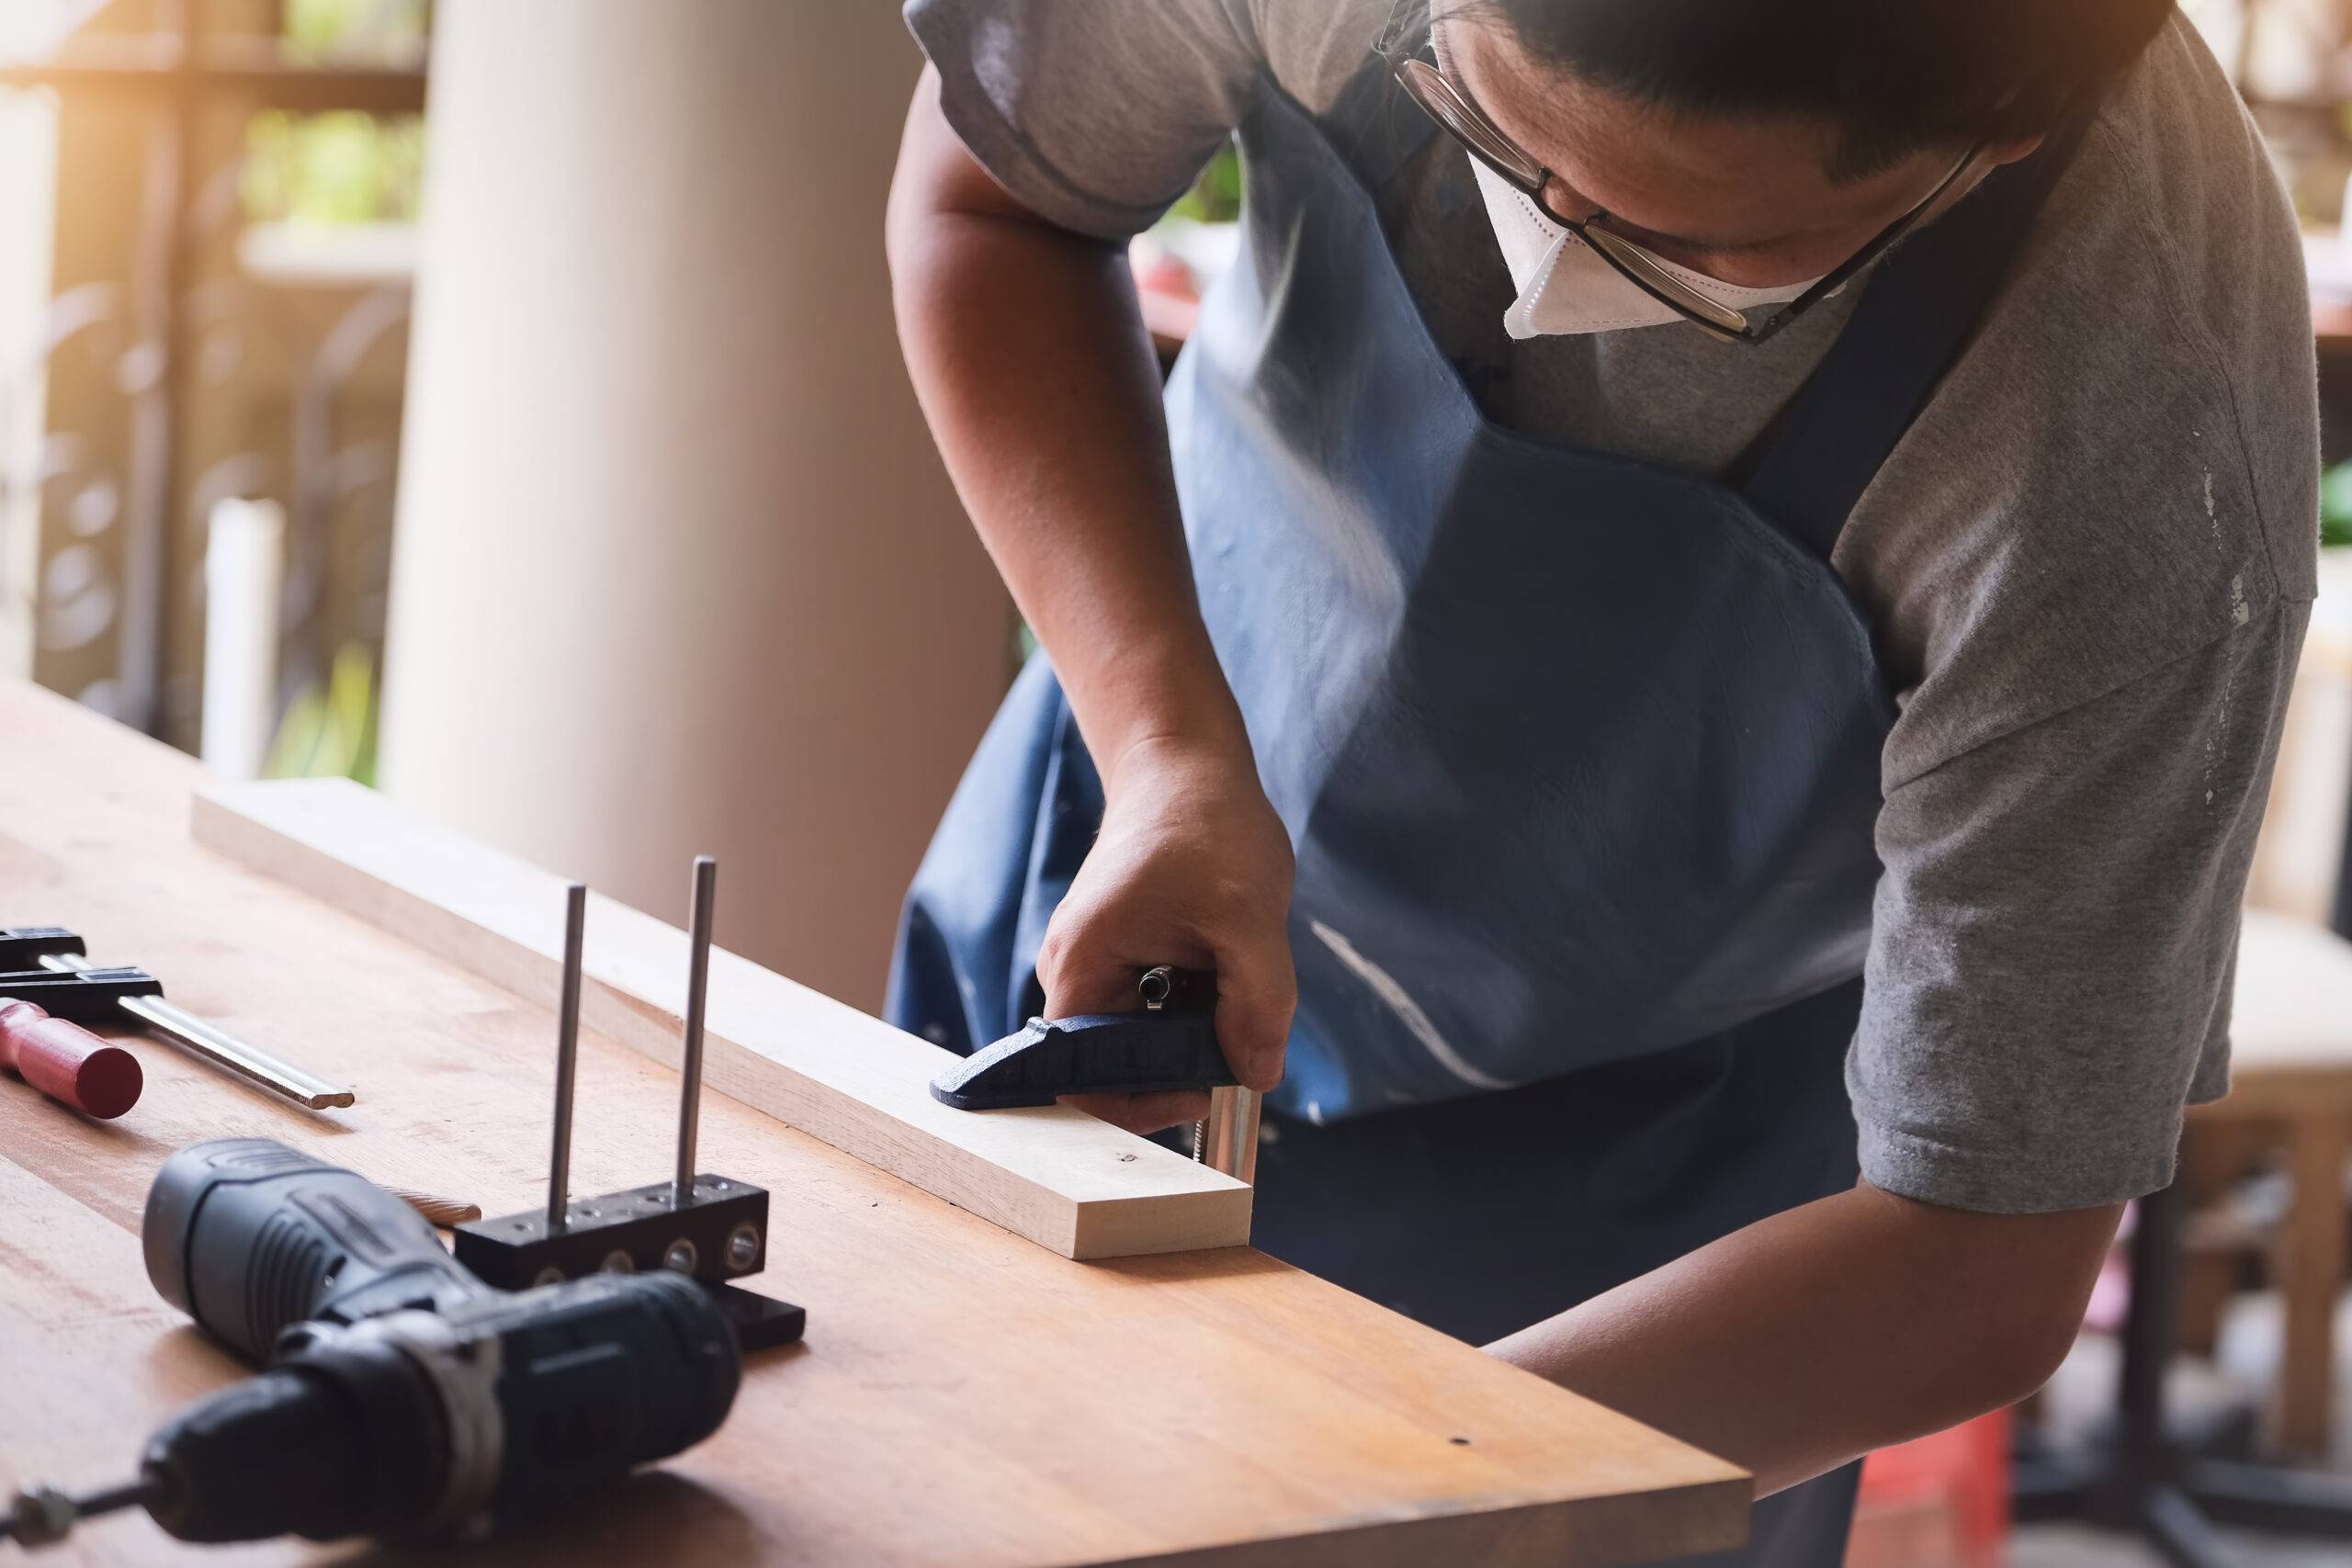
point(1764, 142)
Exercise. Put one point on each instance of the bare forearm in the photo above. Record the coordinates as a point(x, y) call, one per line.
point(1808, 1340)
point(1029, 355)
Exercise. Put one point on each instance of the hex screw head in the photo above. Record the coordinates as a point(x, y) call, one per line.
point(682, 1256)
point(550, 1275)
point(743, 1245)
point(619, 1262)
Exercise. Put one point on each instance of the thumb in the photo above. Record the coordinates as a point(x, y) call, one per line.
point(1081, 977)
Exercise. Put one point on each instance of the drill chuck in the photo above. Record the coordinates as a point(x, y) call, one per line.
point(288, 1452)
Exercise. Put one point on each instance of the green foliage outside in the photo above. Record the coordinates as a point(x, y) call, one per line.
point(1215, 197)
point(349, 31)
point(329, 733)
point(2335, 506)
point(343, 166)
point(339, 167)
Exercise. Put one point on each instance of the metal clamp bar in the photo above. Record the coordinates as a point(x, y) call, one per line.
point(1227, 1139)
point(191, 1033)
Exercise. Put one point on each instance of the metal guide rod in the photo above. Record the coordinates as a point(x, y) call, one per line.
point(567, 1052)
point(1227, 1139)
point(217, 1046)
point(699, 915)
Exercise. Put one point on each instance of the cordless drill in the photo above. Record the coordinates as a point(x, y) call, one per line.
point(406, 1397)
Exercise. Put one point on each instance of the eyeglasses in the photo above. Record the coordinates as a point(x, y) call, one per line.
point(1444, 100)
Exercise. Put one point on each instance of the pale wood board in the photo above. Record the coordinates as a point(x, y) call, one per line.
point(965, 1398)
point(1056, 1175)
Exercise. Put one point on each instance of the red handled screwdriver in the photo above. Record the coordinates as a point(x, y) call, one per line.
point(67, 1062)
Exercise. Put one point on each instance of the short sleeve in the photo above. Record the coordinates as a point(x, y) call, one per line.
point(1095, 115)
point(2055, 932)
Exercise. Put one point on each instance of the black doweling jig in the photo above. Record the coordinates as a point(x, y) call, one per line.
point(713, 1229)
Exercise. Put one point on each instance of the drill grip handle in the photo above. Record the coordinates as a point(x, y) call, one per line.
point(246, 1237)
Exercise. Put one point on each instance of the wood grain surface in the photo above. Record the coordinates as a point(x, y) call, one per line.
point(1056, 1175)
point(964, 1396)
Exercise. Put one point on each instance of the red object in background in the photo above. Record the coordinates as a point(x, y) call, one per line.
point(1166, 275)
point(1937, 1502)
point(1169, 296)
point(67, 1062)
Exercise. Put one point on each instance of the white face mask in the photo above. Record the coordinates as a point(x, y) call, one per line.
point(1564, 286)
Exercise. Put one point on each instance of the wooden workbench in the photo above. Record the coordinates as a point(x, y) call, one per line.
point(964, 1397)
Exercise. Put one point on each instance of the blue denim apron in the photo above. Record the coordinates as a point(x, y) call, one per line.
point(1579, 756)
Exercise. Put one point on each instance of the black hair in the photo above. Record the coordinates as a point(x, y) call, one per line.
point(1897, 76)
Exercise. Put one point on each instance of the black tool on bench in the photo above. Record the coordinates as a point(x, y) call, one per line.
point(713, 1229)
point(47, 965)
point(1169, 1043)
point(23, 947)
point(403, 1397)
point(85, 996)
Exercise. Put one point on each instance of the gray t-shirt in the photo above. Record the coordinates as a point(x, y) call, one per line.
point(2089, 561)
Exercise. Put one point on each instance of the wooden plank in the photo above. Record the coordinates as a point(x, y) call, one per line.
point(1059, 1177)
point(965, 1398)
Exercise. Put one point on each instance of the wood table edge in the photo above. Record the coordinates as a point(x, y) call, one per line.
point(1670, 1522)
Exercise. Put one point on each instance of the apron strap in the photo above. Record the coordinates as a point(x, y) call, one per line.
point(1922, 305)
point(1374, 126)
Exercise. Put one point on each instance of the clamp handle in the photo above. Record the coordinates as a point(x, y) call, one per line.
point(1170, 1045)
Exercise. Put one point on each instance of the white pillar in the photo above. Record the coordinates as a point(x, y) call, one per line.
point(27, 230)
point(244, 570)
point(676, 568)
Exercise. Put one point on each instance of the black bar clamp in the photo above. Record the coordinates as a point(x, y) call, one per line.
point(80, 996)
point(23, 947)
point(1169, 1044)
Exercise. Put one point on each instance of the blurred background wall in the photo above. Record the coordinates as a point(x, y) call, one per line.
point(576, 492)
point(676, 569)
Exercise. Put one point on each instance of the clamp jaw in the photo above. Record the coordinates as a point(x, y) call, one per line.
point(1170, 1043)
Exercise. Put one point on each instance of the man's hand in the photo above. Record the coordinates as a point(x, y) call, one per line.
point(1028, 350)
point(1810, 1338)
point(1192, 868)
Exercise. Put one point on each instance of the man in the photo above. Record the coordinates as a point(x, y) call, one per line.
point(1721, 576)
